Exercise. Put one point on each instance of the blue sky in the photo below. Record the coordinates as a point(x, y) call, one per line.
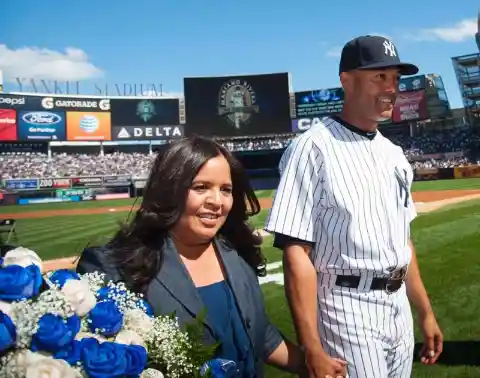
point(161, 42)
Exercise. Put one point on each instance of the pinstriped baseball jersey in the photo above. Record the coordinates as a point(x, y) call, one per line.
point(349, 193)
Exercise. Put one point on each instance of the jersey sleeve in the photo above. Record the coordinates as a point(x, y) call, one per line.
point(294, 210)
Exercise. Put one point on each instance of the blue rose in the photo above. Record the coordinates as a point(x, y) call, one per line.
point(108, 292)
point(103, 359)
point(136, 360)
point(54, 333)
point(219, 368)
point(106, 318)
point(8, 333)
point(70, 353)
point(17, 283)
point(146, 307)
point(59, 277)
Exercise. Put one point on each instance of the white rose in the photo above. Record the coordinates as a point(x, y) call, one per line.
point(79, 296)
point(50, 368)
point(152, 373)
point(22, 358)
point(138, 321)
point(129, 338)
point(87, 335)
point(23, 257)
point(6, 308)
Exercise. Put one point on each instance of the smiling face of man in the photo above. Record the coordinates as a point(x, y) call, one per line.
point(372, 92)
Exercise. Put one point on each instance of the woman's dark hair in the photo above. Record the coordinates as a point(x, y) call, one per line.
point(137, 246)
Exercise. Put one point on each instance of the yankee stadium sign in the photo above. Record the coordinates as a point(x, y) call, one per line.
point(60, 87)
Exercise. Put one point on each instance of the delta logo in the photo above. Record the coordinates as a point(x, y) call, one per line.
point(8, 125)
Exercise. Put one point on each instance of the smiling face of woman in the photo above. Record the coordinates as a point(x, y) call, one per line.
point(209, 201)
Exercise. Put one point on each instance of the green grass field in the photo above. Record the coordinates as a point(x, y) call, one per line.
point(447, 243)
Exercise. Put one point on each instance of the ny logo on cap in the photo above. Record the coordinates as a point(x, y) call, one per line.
point(389, 48)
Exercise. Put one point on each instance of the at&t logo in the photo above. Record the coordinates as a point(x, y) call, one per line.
point(89, 123)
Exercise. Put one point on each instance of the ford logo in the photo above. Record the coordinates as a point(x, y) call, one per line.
point(41, 118)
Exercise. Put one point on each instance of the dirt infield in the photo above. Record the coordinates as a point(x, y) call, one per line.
point(266, 203)
point(440, 195)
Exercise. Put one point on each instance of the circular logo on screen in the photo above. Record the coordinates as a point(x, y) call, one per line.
point(237, 102)
point(89, 123)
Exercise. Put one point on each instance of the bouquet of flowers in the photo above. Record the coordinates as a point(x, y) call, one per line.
point(65, 325)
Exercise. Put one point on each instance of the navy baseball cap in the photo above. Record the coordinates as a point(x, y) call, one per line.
point(373, 52)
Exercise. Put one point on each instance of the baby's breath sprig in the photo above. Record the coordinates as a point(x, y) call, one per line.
point(54, 302)
point(168, 347)
point(124, 298)
point(95, 280)
point(7, 367)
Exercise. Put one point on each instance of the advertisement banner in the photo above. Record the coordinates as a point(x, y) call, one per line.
point(8, 125)
point(303, 124)
point(20, 102)
point(30, 201)
point(410, 106)
point(75, 104)
point(472, 171)
point(60, 193)
point(318, 103)
point(21, 184)
point(111, 196)
point(425, 174)
point(146, 112)
point(147, 132)
point(237, 105)
point(122, 180)
point(41, 125)
point(87, 182)
point(54, 183)
point(83, 126)
point(411, 83)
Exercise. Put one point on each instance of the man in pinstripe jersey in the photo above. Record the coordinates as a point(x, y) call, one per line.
point(342, 215)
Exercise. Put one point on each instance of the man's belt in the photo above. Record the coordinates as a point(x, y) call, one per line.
point(390, 284)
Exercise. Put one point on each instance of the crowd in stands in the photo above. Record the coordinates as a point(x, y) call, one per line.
point(445, 163)
point(438, 142)
point(22, 165)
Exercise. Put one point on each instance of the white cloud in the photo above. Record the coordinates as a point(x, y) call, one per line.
point(40, 63)
point(334, 52)
point(458, 32)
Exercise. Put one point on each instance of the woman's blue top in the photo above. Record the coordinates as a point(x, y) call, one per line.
point(223, 314)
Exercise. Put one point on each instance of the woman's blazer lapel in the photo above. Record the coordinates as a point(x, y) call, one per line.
point(174, 277)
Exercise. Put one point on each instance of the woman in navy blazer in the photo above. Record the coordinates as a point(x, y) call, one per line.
point(189, 248)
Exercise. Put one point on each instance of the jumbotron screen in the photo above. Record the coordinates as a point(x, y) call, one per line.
point(237, 105)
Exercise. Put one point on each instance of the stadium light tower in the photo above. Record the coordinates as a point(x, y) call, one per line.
point(477, 36)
